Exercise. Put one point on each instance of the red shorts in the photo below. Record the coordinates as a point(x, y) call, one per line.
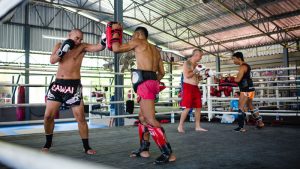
point(191, 96)
point(148, 89)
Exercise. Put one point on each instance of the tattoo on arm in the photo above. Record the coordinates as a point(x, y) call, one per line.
point(189, 65)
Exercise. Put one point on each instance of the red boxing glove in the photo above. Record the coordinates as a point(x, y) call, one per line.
point(109, 35)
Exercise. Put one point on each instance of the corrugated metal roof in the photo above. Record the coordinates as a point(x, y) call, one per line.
point(215, 26)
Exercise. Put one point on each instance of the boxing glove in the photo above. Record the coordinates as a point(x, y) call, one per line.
point(65, 47)
point(199, 68)
point(207, 73)
point(103, 39)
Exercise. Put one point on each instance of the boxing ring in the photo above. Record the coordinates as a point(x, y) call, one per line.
point(217, 148)
point(209, 102)
point(212, 150)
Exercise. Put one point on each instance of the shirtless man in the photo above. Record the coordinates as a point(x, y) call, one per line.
point(67, 87)
point(191, 97)
point(145, 81)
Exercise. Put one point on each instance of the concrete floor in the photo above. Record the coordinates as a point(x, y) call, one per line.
point(220, 147)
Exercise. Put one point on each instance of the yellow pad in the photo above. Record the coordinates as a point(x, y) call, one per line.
point(250, 95)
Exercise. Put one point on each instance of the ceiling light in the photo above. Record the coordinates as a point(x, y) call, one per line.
point(53, 37)
point(89, 16)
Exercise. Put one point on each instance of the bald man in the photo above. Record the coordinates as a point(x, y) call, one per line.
point(67, 88)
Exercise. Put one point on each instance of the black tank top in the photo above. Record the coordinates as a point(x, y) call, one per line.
point(246, 84)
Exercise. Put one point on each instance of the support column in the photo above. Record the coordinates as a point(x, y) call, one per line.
point(119, 79)
point(285, 57)
point(171, 79)
point(27, 62)
point(286, 64)
point(218, 64)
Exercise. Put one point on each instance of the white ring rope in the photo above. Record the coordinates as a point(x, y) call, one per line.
point(274, 99)
point(163, 100)
point(272, 113)
point(15, 156)
point(260, 70)
point(55, 70)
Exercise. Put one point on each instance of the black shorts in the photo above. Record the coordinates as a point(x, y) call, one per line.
point(68, 92)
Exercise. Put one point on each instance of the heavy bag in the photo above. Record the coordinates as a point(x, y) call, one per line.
point(129, 106)
point(21, 100)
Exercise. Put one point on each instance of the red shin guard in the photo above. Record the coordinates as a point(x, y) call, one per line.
point(158, 136)
point(142, 130)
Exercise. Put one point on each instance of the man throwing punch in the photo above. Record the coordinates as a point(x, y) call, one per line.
point(67, 87)
point(146, 83)
point(247, 92)
point(191, 96)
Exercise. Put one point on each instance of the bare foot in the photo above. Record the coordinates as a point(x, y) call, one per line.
point(91, 152)
point(180, 129)
point(45, 150)
point(144, 154)
point(172, 158)
point(260, 124)
point(200, 129)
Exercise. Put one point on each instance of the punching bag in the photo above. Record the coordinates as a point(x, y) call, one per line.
point(21, 100)
point(129, 106)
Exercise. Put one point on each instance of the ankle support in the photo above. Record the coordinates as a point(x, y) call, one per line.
point(255, 114)
point(48, 140)
point(241, 118)
point(86, 145)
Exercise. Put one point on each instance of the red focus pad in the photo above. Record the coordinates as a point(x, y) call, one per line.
point(109, 35)
point(218, 93)
point(229, 81)
point(227, 92)
point(162, 86)
point(229, 88)
point(221, 88)
point(212, 91)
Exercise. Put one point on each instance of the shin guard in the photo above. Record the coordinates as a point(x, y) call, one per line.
point(241, 118)
point(145, 144)
point(255, 115)
point(158, 136)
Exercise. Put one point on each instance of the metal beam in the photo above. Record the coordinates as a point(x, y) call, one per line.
point(202, 20)
point(218, 30)
point(253, 36)
point(265, 26)
point(135, 6)
point(169, 14)
point(194, 38)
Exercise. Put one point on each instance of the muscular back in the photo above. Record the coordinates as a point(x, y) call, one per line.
point(69, 66)
point(147, 56)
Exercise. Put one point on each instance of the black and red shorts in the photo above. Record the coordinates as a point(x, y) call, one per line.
point(68, 92)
